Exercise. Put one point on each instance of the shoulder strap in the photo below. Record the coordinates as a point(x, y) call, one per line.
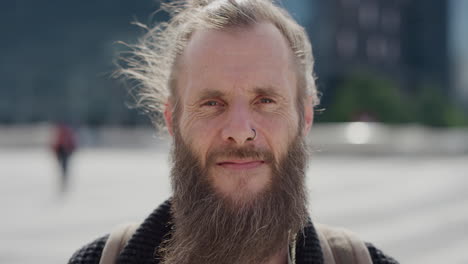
point(116, 242)
point(340, 246)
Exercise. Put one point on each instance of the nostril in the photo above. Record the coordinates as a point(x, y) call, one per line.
point(254, 135)
point(239, 134)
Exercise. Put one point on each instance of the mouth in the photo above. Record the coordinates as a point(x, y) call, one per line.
point(241, 164)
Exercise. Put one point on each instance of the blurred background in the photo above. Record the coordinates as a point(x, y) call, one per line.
point(390, 140)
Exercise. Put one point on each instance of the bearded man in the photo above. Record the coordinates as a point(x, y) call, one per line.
point(234, 82)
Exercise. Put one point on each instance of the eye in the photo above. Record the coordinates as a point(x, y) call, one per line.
point(265, 100)
point(211, 103)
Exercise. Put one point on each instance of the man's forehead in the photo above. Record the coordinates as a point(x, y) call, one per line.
point(256, 56)
point(250, 40)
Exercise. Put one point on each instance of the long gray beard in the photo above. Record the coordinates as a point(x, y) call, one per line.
point(210, 228)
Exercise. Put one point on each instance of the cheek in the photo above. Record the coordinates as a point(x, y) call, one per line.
point(279, 130)
point(197, 134)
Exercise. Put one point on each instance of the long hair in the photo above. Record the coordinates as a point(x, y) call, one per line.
point(152, 64)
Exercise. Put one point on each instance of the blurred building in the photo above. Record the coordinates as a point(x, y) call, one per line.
point(425, 43)
point(458, 32)
point(367, 35)
point(405, 40)
point(57, 62)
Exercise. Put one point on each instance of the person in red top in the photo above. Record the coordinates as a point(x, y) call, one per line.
point(63, 146)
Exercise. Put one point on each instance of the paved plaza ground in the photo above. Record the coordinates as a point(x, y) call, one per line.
point(414, 208)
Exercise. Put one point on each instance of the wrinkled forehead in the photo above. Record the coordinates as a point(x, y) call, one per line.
point(258, 51)
point(261, 39)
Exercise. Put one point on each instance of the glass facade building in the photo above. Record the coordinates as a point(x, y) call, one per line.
point(458, 36)
point(57, 60)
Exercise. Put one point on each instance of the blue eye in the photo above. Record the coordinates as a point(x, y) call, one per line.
point(266, 101)
point(211, 103)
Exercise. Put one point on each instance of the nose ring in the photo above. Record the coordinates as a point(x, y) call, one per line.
point(255, 134)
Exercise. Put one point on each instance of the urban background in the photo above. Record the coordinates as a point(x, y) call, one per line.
point(389, 145)
point(401, 61)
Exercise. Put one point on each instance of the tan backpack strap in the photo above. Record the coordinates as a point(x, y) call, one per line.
point(340, 246)
point(116, 242)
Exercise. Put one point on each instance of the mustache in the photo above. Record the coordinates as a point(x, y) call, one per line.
point(248, 152)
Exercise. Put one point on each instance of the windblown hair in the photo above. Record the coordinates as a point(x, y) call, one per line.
point(152, 64)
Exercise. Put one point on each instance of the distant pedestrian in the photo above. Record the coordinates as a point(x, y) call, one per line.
point(64, 145)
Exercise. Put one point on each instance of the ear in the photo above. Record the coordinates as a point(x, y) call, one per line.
point(308, 114)
point(168, 116)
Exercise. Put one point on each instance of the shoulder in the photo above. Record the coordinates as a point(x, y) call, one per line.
point(89, 253)
point(378, 257)
point(341, 244)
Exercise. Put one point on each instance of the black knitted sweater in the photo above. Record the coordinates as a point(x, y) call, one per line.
point(141, 246)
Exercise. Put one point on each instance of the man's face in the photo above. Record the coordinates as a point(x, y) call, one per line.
point(230, 82)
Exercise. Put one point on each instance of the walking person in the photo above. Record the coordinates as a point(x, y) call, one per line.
point(64, 145)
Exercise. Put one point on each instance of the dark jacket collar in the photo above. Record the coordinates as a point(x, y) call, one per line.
point(142, 247)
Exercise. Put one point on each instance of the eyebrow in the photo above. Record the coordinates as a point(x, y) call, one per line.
point(208, 94)
point(267, 91)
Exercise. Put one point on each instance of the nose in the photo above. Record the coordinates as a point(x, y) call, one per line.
point(239, 128)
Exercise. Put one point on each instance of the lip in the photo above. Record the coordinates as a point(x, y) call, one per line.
point(241, 165)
